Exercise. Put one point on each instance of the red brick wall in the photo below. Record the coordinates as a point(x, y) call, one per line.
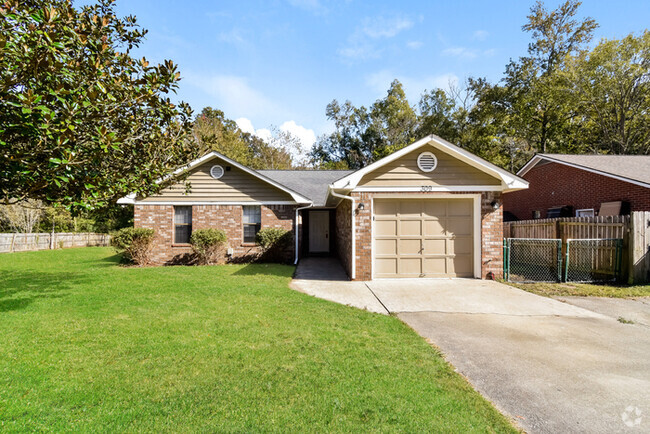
point(491, 234)
point(225, 217)
point(556, 184)
point(343, 235)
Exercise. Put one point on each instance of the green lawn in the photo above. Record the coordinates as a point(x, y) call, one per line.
point(89, 345)
point(584, 289)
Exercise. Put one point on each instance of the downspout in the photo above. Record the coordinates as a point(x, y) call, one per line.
point(297, 231)
point(354, 232)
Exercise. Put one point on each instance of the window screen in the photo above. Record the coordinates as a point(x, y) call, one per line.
point(252, 222)
point(182, 224)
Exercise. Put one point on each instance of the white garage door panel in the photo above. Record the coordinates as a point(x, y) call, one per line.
point(423, 238)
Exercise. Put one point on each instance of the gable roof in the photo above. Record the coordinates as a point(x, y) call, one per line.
point(629, 168)
point(297, 197)
point(509, 181)
point(309, 183)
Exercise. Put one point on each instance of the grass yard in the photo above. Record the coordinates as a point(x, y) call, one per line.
point(89, 345)
point(584, 289)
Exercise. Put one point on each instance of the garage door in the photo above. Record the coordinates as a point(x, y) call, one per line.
point(423, 238)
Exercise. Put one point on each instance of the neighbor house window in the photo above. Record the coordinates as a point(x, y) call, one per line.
point(182, 224)
point(252, 222)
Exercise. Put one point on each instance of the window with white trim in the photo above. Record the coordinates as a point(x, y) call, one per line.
point(252, 221)
point(586, 212)
point(182, 224)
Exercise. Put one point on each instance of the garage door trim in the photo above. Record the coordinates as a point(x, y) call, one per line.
point(476, 215)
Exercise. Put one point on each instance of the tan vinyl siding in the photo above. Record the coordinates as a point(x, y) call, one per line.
point(235, 185)
point(404, 172)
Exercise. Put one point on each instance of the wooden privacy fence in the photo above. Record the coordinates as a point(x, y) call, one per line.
point(633, 229)
point(43, 241)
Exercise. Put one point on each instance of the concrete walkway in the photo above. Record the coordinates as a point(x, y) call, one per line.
point(325, 278)
point(552, 366)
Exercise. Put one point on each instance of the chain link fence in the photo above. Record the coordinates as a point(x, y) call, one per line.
point(593, 260)
point(532, 260)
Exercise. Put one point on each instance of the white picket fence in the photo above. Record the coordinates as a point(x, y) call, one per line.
point(43, 241)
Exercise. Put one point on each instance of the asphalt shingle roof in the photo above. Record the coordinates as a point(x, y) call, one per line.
point(633, 167)
point(309, 183)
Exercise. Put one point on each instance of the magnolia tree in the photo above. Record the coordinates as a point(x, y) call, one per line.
point(83, 123)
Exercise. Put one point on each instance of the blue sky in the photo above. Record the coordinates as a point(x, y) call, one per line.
point(280, 62)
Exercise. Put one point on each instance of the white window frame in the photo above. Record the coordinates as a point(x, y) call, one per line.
point(579, 212)
point(244, 224)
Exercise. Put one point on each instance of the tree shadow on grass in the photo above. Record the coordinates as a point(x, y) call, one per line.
point(19, 289)
point(264, 269)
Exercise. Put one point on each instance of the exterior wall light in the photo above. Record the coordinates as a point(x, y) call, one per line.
point(495, 205)
point(361, 207)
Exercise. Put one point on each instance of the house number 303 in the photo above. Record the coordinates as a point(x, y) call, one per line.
point(426, 188)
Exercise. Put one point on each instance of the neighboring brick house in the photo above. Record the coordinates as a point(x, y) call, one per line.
point(579, 184)
point(430, 209)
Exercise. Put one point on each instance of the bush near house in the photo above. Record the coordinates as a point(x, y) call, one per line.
point(134, 244)
point(274, 243)
point(208, 245)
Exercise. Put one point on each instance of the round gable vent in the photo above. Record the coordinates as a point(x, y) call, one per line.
point(427, 162)
point(216, 171)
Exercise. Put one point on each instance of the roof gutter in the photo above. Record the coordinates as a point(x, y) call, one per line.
point(354, 243)
point(297, 230)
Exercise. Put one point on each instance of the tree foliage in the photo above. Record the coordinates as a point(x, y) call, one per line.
point(214, 132)
point(560, 97)
point(612, 83)
point(364, 135)
point(83, 123)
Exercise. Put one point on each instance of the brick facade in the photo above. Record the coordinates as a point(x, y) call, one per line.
point(343, 234)
point(225, 217)
point(491, 233)
point(554, 184)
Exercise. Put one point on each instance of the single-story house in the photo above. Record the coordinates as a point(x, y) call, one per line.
point(430, 209)
point(580, 186)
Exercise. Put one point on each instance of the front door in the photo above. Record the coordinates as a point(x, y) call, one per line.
point(319, 232)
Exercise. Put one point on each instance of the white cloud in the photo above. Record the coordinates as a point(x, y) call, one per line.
point(380, 81)
point(462, 52)
point(233, 94)
point(264, 134)
point(309, 5)
point(361, 43)
point(233, 36)
point(307, 136)
point(467, 53)
point(480, 35)
point(414, 45)
point(382, 27)
point(245, 125)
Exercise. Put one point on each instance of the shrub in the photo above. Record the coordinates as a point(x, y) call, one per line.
point(274, 243)
point(208, 245)
point(134, 244)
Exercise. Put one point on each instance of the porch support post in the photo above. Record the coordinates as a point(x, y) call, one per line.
point(296, 230)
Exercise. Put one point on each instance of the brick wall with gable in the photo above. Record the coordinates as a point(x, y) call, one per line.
point(225, 217)
point(491, 233)
point(556, 184)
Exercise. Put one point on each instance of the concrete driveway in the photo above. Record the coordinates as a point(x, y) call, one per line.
point(552, 366)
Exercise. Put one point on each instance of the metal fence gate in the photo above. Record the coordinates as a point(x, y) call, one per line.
point(593, 260)
point(532, 260)
point(542, 260)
